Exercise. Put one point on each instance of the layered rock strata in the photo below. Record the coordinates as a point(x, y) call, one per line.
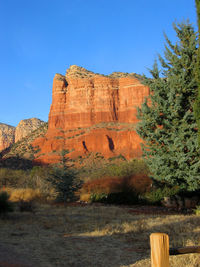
point(92, 113)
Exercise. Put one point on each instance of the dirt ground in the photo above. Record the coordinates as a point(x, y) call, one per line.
point(93, 236)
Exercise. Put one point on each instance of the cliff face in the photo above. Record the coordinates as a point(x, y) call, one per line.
point(10, 134)
point(7, 135)
point(92, 113)
point(25, 127)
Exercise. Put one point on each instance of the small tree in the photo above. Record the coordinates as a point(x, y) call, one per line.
point(64, 179)
point(167, 122)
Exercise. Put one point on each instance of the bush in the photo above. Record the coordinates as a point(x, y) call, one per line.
point(156, 195)
point(39, 179)
point(5, 204)
point(29, 184)
point(24, 194)
point(12, 178)
point(116, 190)
point(95, 197)
point(128, 198)
point(127, 168)
point(121, 169)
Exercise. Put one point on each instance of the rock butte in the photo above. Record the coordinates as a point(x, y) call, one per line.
point(92, 113)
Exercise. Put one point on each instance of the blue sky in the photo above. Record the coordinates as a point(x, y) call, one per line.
point(39, 38)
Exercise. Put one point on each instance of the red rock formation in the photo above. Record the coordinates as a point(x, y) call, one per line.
point(93, 113)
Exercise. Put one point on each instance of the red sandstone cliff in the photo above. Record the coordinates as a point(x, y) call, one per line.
point(92, 113)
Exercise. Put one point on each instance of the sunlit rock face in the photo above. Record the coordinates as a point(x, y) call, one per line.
point(7, 136)
point(25, 127)
point(10, 134)
point(92, 113)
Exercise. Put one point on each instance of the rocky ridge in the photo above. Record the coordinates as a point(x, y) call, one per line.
point(26, 126)
point(10, 134)
point(20, 154)
point(75, 71)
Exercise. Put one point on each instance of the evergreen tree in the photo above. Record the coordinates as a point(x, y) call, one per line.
point(197, 102)
point(64, 179)
point(167, 123)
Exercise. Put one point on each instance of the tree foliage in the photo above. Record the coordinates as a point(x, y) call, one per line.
point(197, 102)
point(167, 123)
point(64, 179)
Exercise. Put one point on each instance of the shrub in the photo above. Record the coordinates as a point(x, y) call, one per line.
point(24, 194)
point(25, 185)
point(140, 183)
point(128, 198)
point(156, 195)
point(14, 178)
point(116, 190)
point(39, 179)
point(120, 169)
point(5, 204)
point(95, 197)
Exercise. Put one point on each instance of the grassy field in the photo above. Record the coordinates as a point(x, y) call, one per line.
point(92, 235)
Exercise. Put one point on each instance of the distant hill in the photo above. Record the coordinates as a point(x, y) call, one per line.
point(20, 154)
point(7, 135)
point(10, 134)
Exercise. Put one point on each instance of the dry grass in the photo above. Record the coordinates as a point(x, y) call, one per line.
point(95, 236)
point(25, 194)
point(28, 194)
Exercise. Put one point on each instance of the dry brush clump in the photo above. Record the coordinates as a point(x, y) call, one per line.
point(116, 187)
point(27, 185)
point(114, 180)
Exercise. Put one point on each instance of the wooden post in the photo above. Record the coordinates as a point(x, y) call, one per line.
point(159, 250)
